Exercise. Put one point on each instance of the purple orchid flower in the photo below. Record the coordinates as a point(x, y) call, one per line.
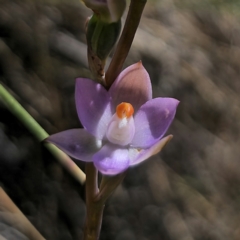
point(122, 127)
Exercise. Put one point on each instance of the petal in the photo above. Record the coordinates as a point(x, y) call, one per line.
point(139, 156)
point(93, 106)
point(133, 86)
point(111, 159)
point(77, 143)
point(152, 121)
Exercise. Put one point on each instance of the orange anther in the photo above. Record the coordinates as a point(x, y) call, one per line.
point(124, 110)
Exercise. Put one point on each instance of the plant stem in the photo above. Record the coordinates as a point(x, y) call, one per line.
point(95, 200)
point(94, 208)
point(125, 41)
point(29, 122)
point(108, 185)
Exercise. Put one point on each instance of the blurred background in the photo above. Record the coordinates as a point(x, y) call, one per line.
point(191, 190)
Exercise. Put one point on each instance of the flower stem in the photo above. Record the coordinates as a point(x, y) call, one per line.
point(125, 41)
point(29, 122)
point(94, 208)
point(95, 200)
point(108, 185)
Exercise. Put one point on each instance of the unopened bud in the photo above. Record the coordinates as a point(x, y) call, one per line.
point(101, 37)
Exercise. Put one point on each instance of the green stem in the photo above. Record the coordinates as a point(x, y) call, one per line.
point(30, 123)
point(125, 41)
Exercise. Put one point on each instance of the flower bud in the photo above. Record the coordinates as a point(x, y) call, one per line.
point(101, 37)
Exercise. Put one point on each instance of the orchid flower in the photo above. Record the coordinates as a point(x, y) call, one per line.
point(122, 127)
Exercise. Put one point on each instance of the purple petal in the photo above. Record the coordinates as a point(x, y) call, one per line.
point(93, 106)
point(133, 86)
point(152, 121)
point(77, 143)
point(137, 156)
point(111, 159)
